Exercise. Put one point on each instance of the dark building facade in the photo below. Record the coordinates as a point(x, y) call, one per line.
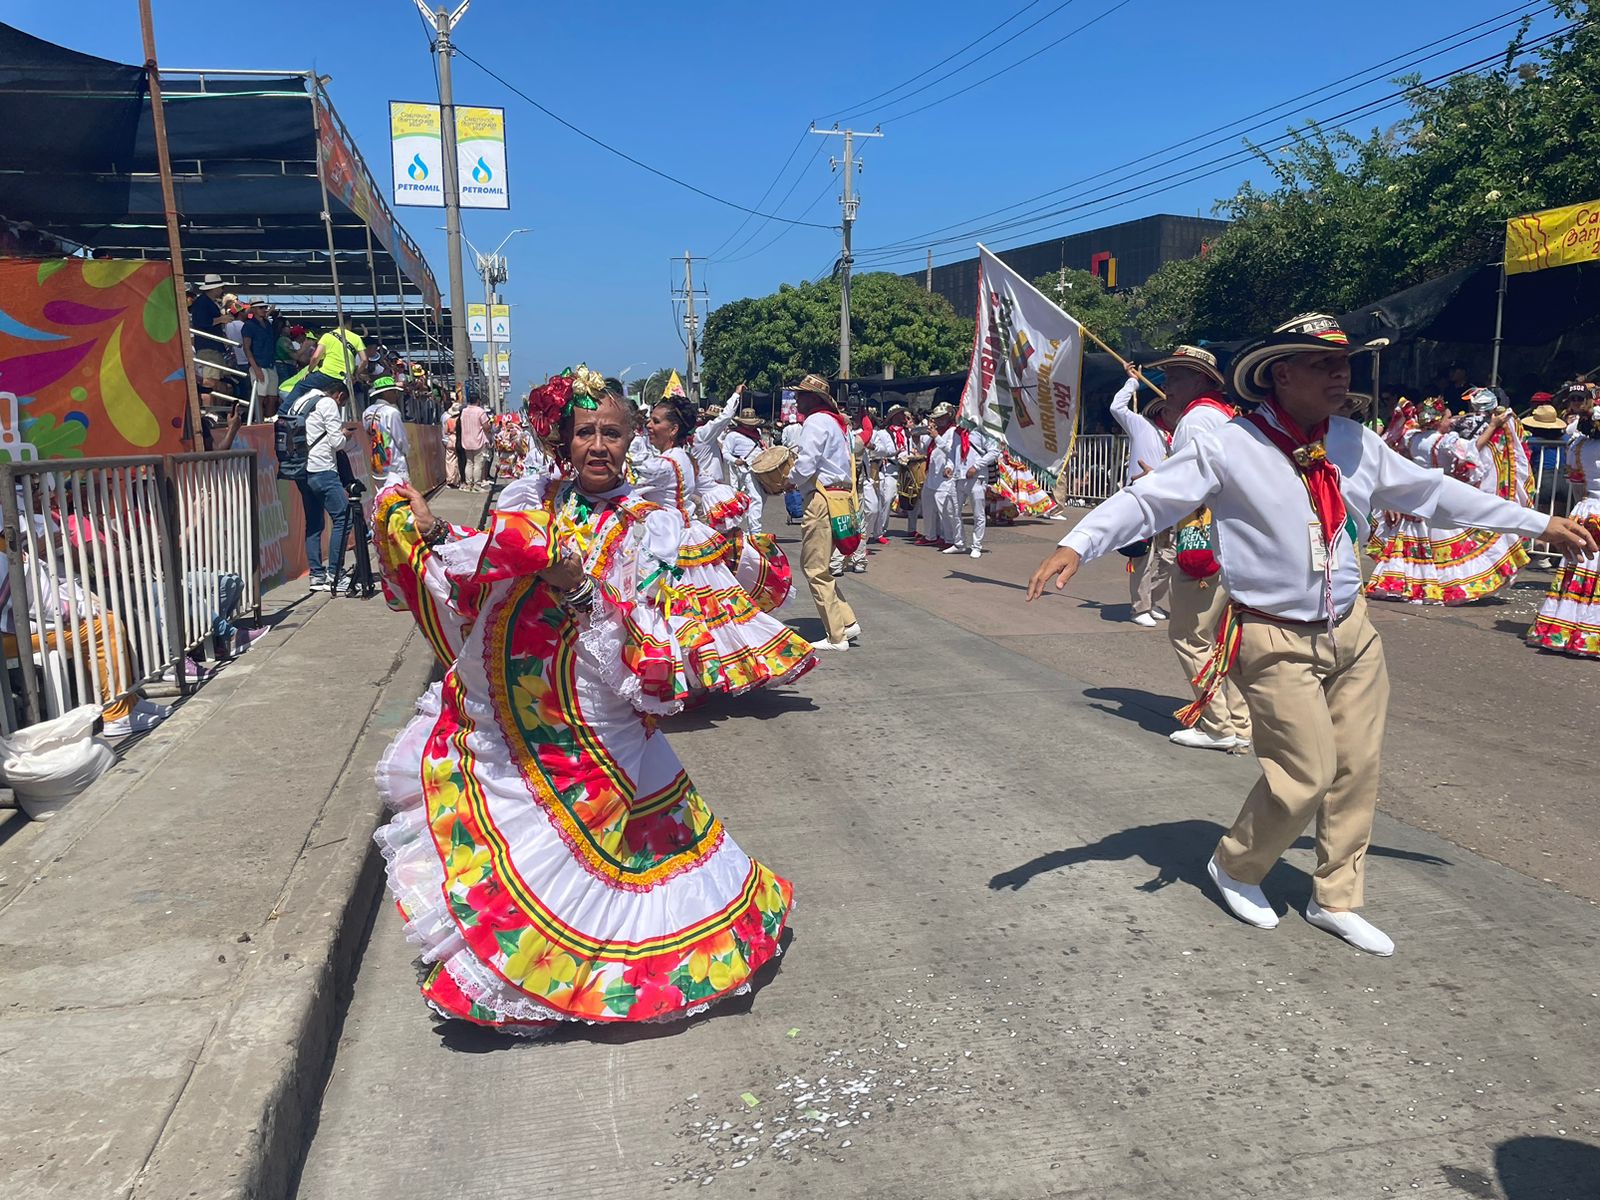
point(1124, 255)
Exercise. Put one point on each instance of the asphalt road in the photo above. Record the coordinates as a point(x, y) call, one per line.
point(1007, 978)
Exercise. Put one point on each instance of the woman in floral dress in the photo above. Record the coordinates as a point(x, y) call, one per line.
point(1569, 618)
point(548, 853)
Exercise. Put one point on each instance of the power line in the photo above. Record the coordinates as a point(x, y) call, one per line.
point(800, 141)
point(623, 154)
point(898, 251)
point(921, 240)
point(853, 110)
point(786, 230)
point(751, 236)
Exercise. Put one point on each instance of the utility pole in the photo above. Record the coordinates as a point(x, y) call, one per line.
point(443, 21)
point(848, 203)
point(691, 328)
point(493, 269)
point(930, 268)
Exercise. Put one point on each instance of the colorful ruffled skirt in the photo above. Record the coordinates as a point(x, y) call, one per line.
point(724, 508)
point(1569, 618)
point(1419, 565)
point(551, 859)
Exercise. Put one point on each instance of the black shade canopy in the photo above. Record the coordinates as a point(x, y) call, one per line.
point(78, 159)
point(1460, 307)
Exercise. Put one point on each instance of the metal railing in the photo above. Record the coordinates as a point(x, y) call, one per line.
point(115, 569)
point(1552, 490)
point(1098, 465)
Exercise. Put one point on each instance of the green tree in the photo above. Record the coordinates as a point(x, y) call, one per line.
point(1085, 298)
point(769, 341)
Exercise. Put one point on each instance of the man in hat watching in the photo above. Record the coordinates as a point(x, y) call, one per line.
point(1291, 486)
point(386, 433)
point(206, 316)
point(260, 347)
point(1149, 440)
point(824, 461)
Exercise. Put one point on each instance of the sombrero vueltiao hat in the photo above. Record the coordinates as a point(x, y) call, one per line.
point(1309, 333)
point(747, 416)
point(1191, 358)
point(1361, 402)
point(816, 385)
point(897, 410)
point(942, 410)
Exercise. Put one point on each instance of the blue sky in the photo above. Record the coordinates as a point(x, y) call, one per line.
point(719, 93)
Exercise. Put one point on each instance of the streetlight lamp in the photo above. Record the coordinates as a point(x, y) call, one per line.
point(492, 267)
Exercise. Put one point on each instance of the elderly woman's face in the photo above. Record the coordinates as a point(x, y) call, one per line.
point(599, 444)
point(663, 428)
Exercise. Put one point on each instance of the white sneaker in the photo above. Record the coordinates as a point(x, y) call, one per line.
point(1146, 620)
point(859, 568)
point(1159, 615)
point(144, 715)
point(825, 644)
point(1353, 928)
point(1244, 900)
point(321, 583)
point(1058, 516)
point(976, 552)
point(958, 548)
point(852, 632)
point(1199, 739)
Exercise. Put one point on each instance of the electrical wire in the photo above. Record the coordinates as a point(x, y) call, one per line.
point(898, 251)
point(793, 151)
point(623, 154)
point(751, 236)
point(785, 231)
point(1407, 58)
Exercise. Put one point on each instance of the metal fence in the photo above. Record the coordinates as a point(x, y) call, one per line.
point(1098, 465)
point(1553, 491)
point(115, 569)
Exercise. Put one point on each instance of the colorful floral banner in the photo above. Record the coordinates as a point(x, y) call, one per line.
point(89, 350)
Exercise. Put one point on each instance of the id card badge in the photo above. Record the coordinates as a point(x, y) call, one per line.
point(1319, 548)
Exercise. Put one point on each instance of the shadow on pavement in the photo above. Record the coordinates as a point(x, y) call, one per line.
point(760, 705)
point(1179, 851)
point(1540, 1168)
point(1151, 712)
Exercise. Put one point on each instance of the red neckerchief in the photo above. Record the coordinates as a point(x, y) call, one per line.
point(1210, 400)
point(866, 429)
point(966, 444)
point(898, 432)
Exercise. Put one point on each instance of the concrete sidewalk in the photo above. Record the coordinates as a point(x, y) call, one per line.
point(173, 943)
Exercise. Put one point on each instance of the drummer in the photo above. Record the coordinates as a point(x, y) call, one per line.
point(886, 453)
point(740, 445)
point(911, 440)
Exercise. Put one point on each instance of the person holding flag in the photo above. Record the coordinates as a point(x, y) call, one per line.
point(1290, 487)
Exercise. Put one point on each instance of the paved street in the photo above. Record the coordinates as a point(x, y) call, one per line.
point(1005, 977)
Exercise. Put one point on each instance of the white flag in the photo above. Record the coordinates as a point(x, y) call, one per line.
point(1027, 369)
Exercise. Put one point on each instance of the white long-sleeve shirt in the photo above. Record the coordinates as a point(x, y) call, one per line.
point(1146, 443)
point(1195, 422)
point(386, 436)
point(707, 444)
point(983, 452)
point(324, 434)
point(884, 451)
point(824, 453)
point(1264, 513)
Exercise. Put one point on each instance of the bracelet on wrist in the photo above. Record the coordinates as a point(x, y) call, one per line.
point(437, 532)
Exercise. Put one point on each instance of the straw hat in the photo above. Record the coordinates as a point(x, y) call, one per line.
point(1360, 403)
point(1544, 416)
point(816, 385)
point(747, 416)
point(941, 411)
point(1309, 333)
point(1191, 358)
point(212, 282)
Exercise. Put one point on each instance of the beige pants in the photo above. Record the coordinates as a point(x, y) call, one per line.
point(1151, 577)
point(1319, 718)
point(1196, 612)
point(816, 548)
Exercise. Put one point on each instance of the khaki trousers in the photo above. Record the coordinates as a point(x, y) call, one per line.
point(816, 548)
point(1151, 577)
point(1195, 612)
point(1319, 716)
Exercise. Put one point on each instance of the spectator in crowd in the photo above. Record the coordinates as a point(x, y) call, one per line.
point(340, 353)
point(322, 492)
point(477, 446)
point(233, 330)
point(450, 430)
point(206, 316)
point(261, 358)
point(218, 434)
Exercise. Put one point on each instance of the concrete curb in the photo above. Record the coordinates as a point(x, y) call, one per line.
point(238, 1129)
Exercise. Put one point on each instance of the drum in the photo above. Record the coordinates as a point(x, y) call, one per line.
point(771, 468)
point(911, 479)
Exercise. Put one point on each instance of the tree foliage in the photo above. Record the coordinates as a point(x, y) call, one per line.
point(1350, 219)
point(769, 341)
point(1085, 297)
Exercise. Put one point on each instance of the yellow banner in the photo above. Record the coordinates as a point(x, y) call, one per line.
point(1556, 237)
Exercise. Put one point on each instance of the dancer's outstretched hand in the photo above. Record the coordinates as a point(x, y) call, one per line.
point(1061, 566)
point(1568, 536)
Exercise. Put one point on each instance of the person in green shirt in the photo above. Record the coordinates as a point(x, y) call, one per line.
point(340, 354)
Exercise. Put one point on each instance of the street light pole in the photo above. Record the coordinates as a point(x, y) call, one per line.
point(443, 21)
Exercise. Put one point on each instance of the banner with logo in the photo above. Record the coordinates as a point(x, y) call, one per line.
point(502, 359)
point(479, 320)
point(500, 318)
point(417, 151)
point(1555, 237)
point(481, 153)
point(1026, 376)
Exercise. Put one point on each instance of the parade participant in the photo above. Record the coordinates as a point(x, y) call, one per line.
point(386, 433)
point(1290, 487)
point(1569, 618)
point(886, 451)
point(1149, 442)
point(973, 454)
point(943, 422)
point(1481, 448)
point(823, 463)
point(548, 852)
point(859, 440)
point(511, 446)
point(1021, 486)
point(1196, 599)
point(1408, 568)
point(741, 444)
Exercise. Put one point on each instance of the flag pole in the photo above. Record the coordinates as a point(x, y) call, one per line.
point(1499, 314)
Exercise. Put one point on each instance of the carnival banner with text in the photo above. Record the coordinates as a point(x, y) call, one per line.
point(416, 153)
point(1026, 376)
point(1555, 237)
point(481, 153)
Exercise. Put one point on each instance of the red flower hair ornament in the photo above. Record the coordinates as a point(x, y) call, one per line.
point(576, 387)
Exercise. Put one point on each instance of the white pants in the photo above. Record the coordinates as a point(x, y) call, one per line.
point(933, 528)
point(886, 487)
point(746, 483)
point(957, 494)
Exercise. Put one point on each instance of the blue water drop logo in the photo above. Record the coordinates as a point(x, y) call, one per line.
point(481, 172)
point(418, 169)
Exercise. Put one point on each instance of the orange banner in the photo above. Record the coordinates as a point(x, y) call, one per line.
point(90, 360)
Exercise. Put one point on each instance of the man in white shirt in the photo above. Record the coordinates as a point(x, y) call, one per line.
point(824, 460)
point(1291, 486)
point(885, 450)
point(741, 444)
point(936, 531)
point(1149, 439)
point(972, 455)
point(322, 493)
point(386, 433)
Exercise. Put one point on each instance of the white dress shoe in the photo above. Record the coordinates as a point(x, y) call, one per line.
point(1353, 928)
point(852, 632)
point(825, 644)
point(1159, 614)
point(956, 549)
point(1199, 739)
point(977, 553)
point(1244, 900)
point(860, 568)
point(1145, 620)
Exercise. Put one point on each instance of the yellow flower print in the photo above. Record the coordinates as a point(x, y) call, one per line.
point(720, 975)
point(467, 865)
point(538, 966)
